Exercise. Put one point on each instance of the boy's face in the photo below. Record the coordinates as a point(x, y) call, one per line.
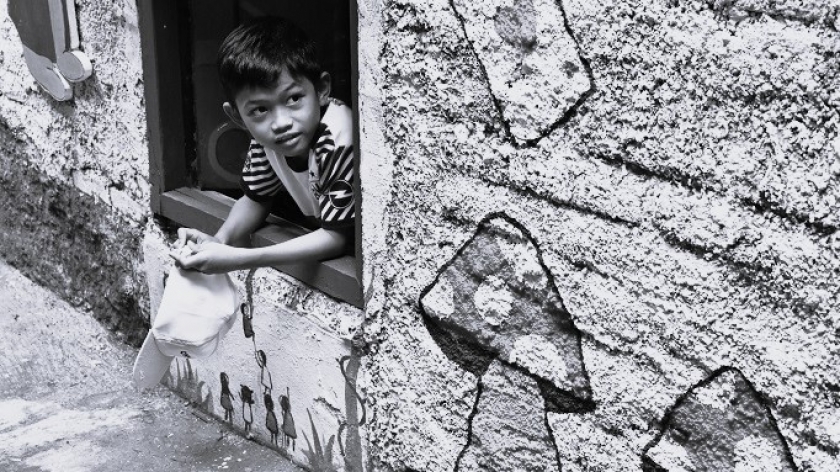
point(284, 117)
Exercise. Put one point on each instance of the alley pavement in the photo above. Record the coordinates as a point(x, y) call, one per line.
point(67, 403)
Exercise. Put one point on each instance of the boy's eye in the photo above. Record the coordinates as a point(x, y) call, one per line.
point(294, 99)
point(257, 111)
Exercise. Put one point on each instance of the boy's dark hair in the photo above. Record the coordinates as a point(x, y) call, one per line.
point(255, 54)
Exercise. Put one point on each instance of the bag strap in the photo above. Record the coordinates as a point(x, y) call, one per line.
point(247, 309)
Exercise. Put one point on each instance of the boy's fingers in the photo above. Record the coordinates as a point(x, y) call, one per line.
point(178, 259)
point(182, 236)
point(186, 235)
point(189, 261)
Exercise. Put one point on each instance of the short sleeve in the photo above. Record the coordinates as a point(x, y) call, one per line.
point(258, 181)
point(336, 198)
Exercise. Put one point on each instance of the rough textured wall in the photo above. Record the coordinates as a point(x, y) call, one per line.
point(684, 202)
point(75, 174)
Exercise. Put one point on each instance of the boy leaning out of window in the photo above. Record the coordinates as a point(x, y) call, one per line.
point(302, 144)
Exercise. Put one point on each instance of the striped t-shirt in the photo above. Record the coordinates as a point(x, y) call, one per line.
point(325, 189)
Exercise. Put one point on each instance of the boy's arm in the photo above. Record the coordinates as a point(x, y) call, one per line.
point(244, 218)
point(214, 257)
point(213, 254)
point(315, 246)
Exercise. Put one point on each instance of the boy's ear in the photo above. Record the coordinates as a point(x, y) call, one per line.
point(233, 114)
point(323, 87)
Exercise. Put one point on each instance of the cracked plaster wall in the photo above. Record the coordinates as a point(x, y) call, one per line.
point(687, 209)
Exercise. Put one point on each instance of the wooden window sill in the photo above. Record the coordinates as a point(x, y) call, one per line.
point(207, 210)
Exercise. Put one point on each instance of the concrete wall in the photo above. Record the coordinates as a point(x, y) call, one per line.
point(597, 236)
point(671, 167)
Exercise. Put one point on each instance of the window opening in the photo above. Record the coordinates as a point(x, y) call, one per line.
point(196, 153)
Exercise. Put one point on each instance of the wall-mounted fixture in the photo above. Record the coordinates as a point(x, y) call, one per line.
point(49, 32)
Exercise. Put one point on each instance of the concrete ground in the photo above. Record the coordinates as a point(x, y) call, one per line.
point(67, 403)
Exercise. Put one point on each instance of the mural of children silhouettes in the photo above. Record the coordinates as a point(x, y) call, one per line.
point(247, 397)
point(49, 32)
point(264, 373)
point(289, 432)
point(226, 398)
point(270, 418)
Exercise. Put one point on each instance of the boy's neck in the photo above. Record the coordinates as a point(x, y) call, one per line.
point(298, 163)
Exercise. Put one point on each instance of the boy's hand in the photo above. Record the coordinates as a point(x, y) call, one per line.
point(210, 257)
point(189, 235)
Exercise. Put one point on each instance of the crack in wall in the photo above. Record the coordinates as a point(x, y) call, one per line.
point(566, 205)
point(744, 279)
point(470, 419)
point(761, 207)
point(731, 10)
point(747, 274)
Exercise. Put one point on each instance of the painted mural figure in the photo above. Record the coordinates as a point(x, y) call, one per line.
point(49, 32)
point(247, 397)
point(247, 318)
point(289, 431)
point(270, 418)
point(226, 398)
point(540, 49)
point(495, 311)
point(722, 424)
point(349, 367)
point(265, 375)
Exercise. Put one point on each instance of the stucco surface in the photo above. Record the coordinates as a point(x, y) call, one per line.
point(97, 140)
point(684, 203)
point(687, 210)
point(75, 173)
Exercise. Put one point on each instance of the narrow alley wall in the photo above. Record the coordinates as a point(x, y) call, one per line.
point(596, 235)
point(601, 235)
point(74, 174)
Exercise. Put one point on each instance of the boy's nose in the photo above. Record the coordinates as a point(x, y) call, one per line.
point(280, 122)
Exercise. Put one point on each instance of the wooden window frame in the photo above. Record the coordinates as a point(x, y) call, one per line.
point(167, 112)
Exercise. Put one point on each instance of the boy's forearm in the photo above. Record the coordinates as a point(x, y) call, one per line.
point(318, 245)
point(245, 217)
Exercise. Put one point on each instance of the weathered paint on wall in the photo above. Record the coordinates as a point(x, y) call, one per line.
point(97, 141)
point(682, 199)
point(686, 208)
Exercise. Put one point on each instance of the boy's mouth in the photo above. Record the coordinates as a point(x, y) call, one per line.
point(286, 139)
